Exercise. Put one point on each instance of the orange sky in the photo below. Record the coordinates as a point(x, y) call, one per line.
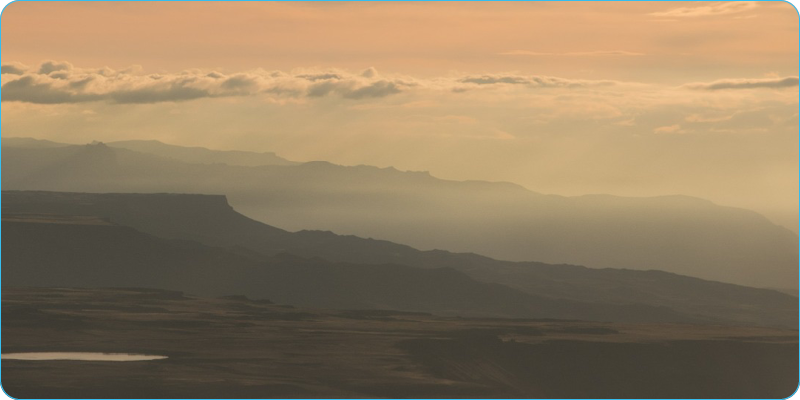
point(629, 98)
point(417, 37)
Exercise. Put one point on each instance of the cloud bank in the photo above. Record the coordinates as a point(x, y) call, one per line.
point(60, 82)
point(532, 81)
point(13, 69)
point(769, 83)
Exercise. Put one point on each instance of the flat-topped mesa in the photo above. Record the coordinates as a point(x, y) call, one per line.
point(210, 221)
point(137, 210)
point(62, 202)
point(198, 217)
point(55, 219)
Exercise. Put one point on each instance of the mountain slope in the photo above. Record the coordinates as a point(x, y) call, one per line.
point(210, 220)
point(673, 233)
point(42, 250)
point(201, 155)
point(30, 142)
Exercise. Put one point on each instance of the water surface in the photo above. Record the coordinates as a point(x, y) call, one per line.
point(80, 356)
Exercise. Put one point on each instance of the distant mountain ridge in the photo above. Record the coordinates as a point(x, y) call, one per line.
point(197, 155)
point(212, 221)
point(40, 254)
point(678, 234)
point(31, 142)
point(202, 155)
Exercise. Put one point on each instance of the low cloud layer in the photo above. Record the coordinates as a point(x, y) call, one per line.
point(769, 83)
point(60, 82)
point(13, 69)
point(532, 81)
point(52, 66)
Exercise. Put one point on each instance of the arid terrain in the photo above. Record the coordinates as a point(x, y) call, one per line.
point(244, 309)
point(235, 347)
point(534, 199)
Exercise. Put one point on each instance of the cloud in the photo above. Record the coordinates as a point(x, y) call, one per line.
point(576, 53)
point(29, 89)
point(77, 86)
point(533, 81)
point(52, 66)
point(768, 83)
point(60, 82)
point(320, 77)
point(721, 8)
point(13, 69)
point(495, 79)
point(370, 72)
point(174, 92)
point(64, 83)
point(242, 83)
point(352, 90)
point(376, 89)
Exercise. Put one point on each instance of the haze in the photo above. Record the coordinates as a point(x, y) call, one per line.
point(400, 199)
point(635, 99)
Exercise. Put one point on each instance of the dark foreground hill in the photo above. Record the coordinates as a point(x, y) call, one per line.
point(678, 234)
point(48, 251)
point(242, 242)
point(239, 348)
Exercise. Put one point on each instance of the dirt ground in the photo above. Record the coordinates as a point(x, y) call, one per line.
point(239, 348)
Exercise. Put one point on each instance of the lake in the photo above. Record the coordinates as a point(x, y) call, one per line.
point(80, 356)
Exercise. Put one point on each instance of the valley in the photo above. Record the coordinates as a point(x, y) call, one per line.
point(235, 346)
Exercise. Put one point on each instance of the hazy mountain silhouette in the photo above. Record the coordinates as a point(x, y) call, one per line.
point(672, 233)
point(211, 221)
point(48, 251)
point(202, 155)
point(30, 142)
point(199, 155)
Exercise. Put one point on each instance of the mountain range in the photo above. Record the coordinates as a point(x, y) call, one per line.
point(678, 234)
point(200, 244)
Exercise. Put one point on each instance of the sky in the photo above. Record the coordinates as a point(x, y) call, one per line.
point(571, 98)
